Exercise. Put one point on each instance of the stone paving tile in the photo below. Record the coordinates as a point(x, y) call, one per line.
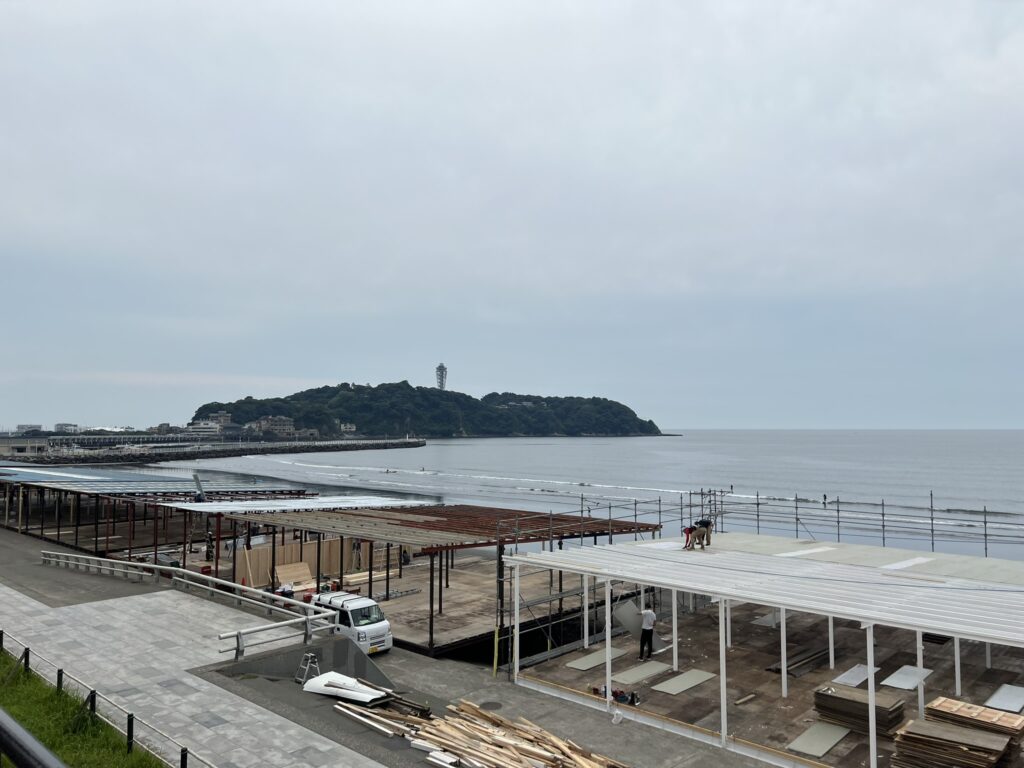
point(136, 650)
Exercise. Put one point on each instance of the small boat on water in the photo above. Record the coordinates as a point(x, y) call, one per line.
point(343, 687)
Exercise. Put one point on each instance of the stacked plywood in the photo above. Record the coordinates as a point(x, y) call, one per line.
point(931, 744)
point(471, 737)
point(983, 718)
point(848, 706)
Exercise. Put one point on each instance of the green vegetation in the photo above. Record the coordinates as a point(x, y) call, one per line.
point(397, 409)
point(63, 725)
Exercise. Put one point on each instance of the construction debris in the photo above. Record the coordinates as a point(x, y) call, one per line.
point(929, 744)
point(802, 662)
point(843, 705)
point(471, 737)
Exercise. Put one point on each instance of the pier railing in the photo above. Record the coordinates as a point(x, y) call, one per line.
point(135, 731)
point(928, 527)
point(308, 618)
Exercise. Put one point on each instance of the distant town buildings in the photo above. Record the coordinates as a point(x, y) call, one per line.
point(21, 429)
point(219, 417)
point(203, 428)
point(282, 426)
point(20, 446)
point(64, 427)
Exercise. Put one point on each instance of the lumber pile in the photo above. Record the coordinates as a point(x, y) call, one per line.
point(975, 716)
point(802, 662)
point(847, 706)
point(470, 737)
point(932, 744)
point(296, 574)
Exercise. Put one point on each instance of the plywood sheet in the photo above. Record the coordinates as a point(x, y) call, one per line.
point(683, 682)
point(594, 659)
point(1009, 698)
point(906, 677)
point(817, 740)
point(640, 672)
point(854, 676)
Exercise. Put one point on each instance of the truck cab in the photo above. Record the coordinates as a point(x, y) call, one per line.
point(360, 619)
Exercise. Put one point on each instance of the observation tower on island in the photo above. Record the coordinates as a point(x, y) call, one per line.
point(442, 375)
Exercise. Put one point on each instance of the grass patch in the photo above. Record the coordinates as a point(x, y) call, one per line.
point(63, 724)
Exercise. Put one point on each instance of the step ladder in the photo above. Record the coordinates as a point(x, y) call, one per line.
point(310, 664)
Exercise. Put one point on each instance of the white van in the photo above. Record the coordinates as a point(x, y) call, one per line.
point(360, 619)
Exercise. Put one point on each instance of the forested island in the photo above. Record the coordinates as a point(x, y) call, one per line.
point(399, 408)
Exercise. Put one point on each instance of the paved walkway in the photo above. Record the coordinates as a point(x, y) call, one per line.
point(136, 650)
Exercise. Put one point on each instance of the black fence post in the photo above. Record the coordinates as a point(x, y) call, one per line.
point(985, 521)
point(1, 641)
point(931, 513)
point(837, 519)
point(131, 732)
point(183, 763)
point(60, 679)
point(26, 656)
point(92, 702)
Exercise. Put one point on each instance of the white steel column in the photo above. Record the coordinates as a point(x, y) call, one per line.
point(831, 643)
point(675, 633)
point(515, 602)
point(988, 655)
point(784, 656)
point(721, 671)
point(956, 663)
point(586, 612)
point(872, 735)
point(728, 623)
point(920, 674)
point(608, 643)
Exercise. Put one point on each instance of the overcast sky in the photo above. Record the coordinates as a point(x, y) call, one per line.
point(724, 214)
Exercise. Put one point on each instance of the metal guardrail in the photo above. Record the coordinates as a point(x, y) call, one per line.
point(22, 747)
point(312, 618)
point(164, 747)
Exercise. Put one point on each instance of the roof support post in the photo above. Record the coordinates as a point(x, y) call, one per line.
point(515, 621)
point(956, 664)
point(369, 583)
point(988, 655)
point(585, 609)
point(234, 550)
point(831, 642)
point(430, 624)
point(675, 633)
point(440, 585)
point(722, 687)
point(319, 549)
point(387, 571)
point(608, 644)
point(920, 673)
point(216, 544)
point(77, 512)
point(872, 733)
point(273, 554)
point(728, 624)
point(783, 654)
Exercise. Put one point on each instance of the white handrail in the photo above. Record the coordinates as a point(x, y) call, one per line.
point(308, 613)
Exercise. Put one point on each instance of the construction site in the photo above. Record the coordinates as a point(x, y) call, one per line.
point(787, 651)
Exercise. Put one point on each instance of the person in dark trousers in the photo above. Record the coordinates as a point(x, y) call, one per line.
point(647, 620)
point(688, 531)
point(702, 535)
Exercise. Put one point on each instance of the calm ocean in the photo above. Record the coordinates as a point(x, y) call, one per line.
point(966, 470)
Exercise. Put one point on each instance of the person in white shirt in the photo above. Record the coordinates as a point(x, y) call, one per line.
point(647, 620)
